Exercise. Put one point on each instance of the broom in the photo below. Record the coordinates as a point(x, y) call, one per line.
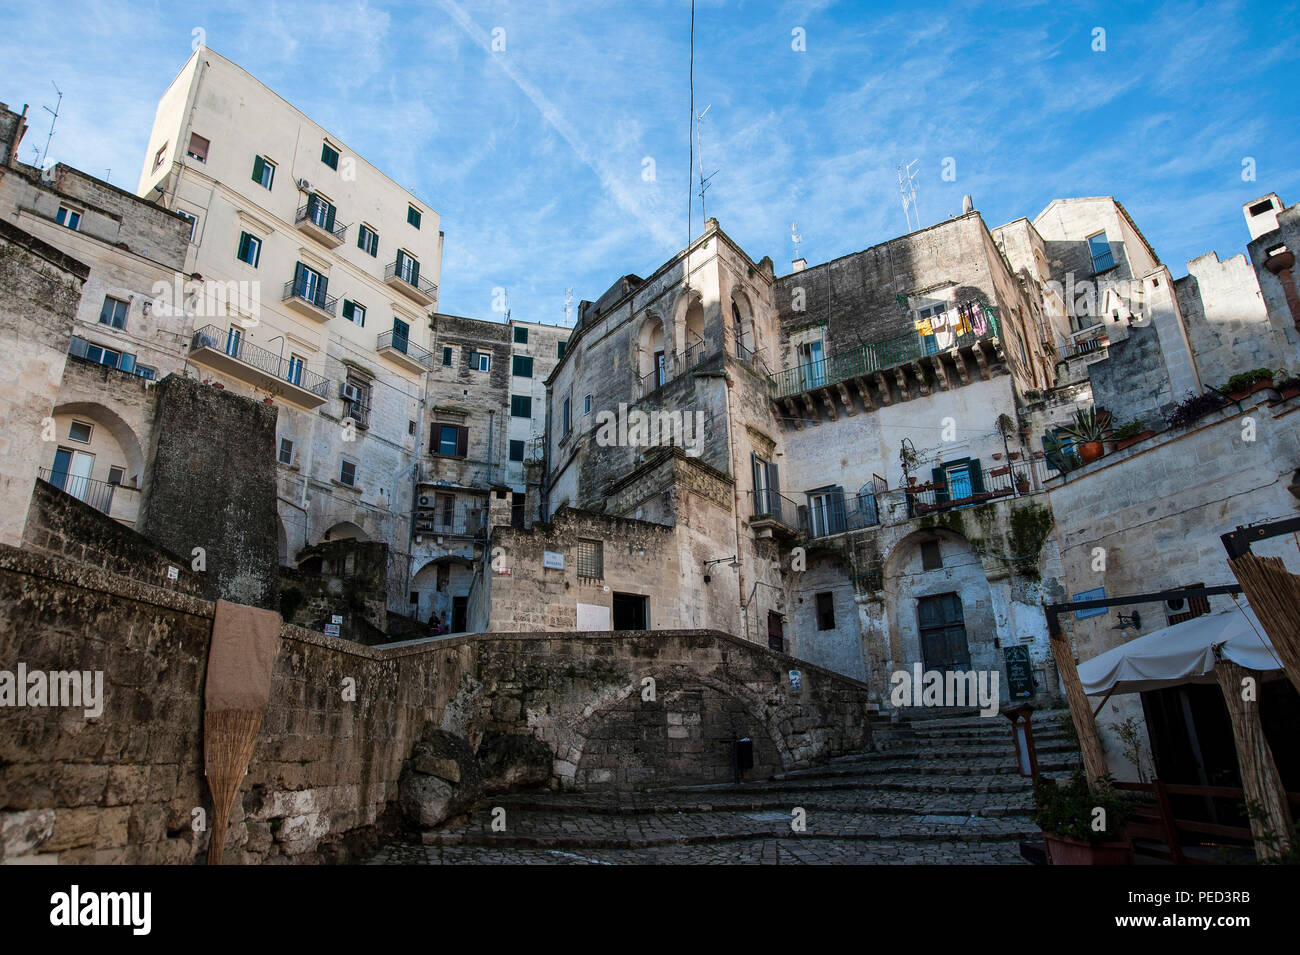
point(1274, 595)
point(228, 740)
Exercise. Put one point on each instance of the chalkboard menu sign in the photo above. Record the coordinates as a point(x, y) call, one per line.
point(1020, 674)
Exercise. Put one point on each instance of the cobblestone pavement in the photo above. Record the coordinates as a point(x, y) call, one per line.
point(939, 792)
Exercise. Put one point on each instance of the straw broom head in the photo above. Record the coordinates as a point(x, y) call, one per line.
point(228, 740)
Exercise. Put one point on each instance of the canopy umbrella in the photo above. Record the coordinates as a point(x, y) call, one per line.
point(1182, 653)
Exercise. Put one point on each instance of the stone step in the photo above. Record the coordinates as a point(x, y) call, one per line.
point(976, 766)
point(886, 802)
point(935, 751)
point(593, 830)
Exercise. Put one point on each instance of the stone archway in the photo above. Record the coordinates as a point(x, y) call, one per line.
point(652, 353)
point(122, 434)
point(684, 735)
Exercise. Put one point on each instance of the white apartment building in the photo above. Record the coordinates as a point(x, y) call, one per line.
point(318, 276)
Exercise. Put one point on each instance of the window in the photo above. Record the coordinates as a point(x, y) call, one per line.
point(113, 312)
point(826, 611)
point(450, 440)
point(446, 355)
point(160, 155)
point(263, 172)
point(410, 427)
point(826, 511)
point(926, 320)
point(521, 366)
point(566, 419)
point(446, 510)
point(812, 365)
point(348, 472)
point(80, 431)
point(559, 349)
point(354, 313)
point(124, 361)
point(250, 249)
point(943, 633)
point(482, 361)
point(286, 451)
point(193, 220)
point(310, 285)
point(407, 268)
point(1099, 249)
point(329, 155)
point(591, 559)
point(367, 240)
point(958, 481)
point(516, 450)
point(115, 475)
point(521, 336)
point(413, 216)
point(296, 365)
point(1259, 208)
point(144, 371)
point(358, 404)
point(68, 217)
point(931, 558)
point(401, 335)
point(198, 148)
point(518, 509)
point(321, 211)
point(767, 487)
point(586, 405)
point(521, 406)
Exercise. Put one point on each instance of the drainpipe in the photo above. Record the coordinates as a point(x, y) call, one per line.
point(735, 504)
point(491, 423)
point(1281, 265)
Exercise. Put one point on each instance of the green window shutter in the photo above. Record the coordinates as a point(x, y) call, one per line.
point(976, 476)
point(940, 479)
point(759, 504)
point(560, 350)
point(259, 167)
point(243, 246)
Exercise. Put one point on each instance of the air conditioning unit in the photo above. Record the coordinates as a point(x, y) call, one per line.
point(304, 185)
point(350, 392)
point(424, 500)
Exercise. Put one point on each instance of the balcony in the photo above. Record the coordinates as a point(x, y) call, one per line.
point(316, 219)
point(874, 357)
point(309, 299)
point(98, 494)
point(408, 282)
point(443, 513)
point(774, 515)
point(404, 352)
point(228, 353)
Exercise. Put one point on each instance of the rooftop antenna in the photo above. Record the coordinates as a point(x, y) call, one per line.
point(690, 160)
point(704, 180)
point(907, 187)
point(54, 118)
point(796, 238)
point(568, 305)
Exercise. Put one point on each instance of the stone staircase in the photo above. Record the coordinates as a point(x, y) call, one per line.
point(942, 790)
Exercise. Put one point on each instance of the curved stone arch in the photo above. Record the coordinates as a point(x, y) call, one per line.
point(345, 530)
point(689, 327)
point(122, 432)
point(742, 318)
point(651, 336)
point(572, 744)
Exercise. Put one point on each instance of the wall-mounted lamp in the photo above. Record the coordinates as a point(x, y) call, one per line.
point(709, 563)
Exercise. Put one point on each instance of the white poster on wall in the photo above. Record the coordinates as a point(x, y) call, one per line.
point(593, 617)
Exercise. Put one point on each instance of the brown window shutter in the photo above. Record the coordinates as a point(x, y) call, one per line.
point(462, 442)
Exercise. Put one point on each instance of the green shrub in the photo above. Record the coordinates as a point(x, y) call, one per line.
point(1068, 809)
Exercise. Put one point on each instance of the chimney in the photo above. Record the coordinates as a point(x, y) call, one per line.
point(799, 264)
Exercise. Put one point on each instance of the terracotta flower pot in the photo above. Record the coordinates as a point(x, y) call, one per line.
point(1062, 850)
point(1091, 451)
point(1133, 439)
point(1247, 392)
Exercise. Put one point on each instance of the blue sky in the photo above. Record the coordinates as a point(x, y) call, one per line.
point(535, 156)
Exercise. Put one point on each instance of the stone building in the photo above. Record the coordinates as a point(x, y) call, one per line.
point(319, 274)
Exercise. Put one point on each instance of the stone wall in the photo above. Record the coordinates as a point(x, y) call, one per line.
point(127, 785)
point(212, 486)
point(42, 291)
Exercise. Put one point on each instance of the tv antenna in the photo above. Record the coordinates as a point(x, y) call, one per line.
point(907, 187)
point(568, 304)
point(704, 180)
point(54, 118)
point(796, 238)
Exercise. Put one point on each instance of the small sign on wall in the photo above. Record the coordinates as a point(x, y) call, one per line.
point(336, 618)
point(173, 572)
point(796, 680)
point(552, 560)
point(331, 629)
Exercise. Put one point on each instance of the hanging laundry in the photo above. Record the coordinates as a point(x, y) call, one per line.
point(979, 325)
point(943, 334)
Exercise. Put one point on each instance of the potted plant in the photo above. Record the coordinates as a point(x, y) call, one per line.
point(1090, 429)
point(1067, 814)
point(1130, 432)
point(1022, 483)
point(1194, 407)
point(1058, 455)
point(1248, 382)
point(1289, 386)
point(909, 460)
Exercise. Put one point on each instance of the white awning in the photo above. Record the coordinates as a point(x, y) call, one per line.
point(1183, 653)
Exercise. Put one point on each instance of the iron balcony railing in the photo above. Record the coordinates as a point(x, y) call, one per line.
point(965, 489)
point(220, 339)
point(772, 504)
point(322, 215)
point(411, 278)
point(447, 512)
point(876, 356)
point(98, 494)
point(301, 288)
point(403, 344)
